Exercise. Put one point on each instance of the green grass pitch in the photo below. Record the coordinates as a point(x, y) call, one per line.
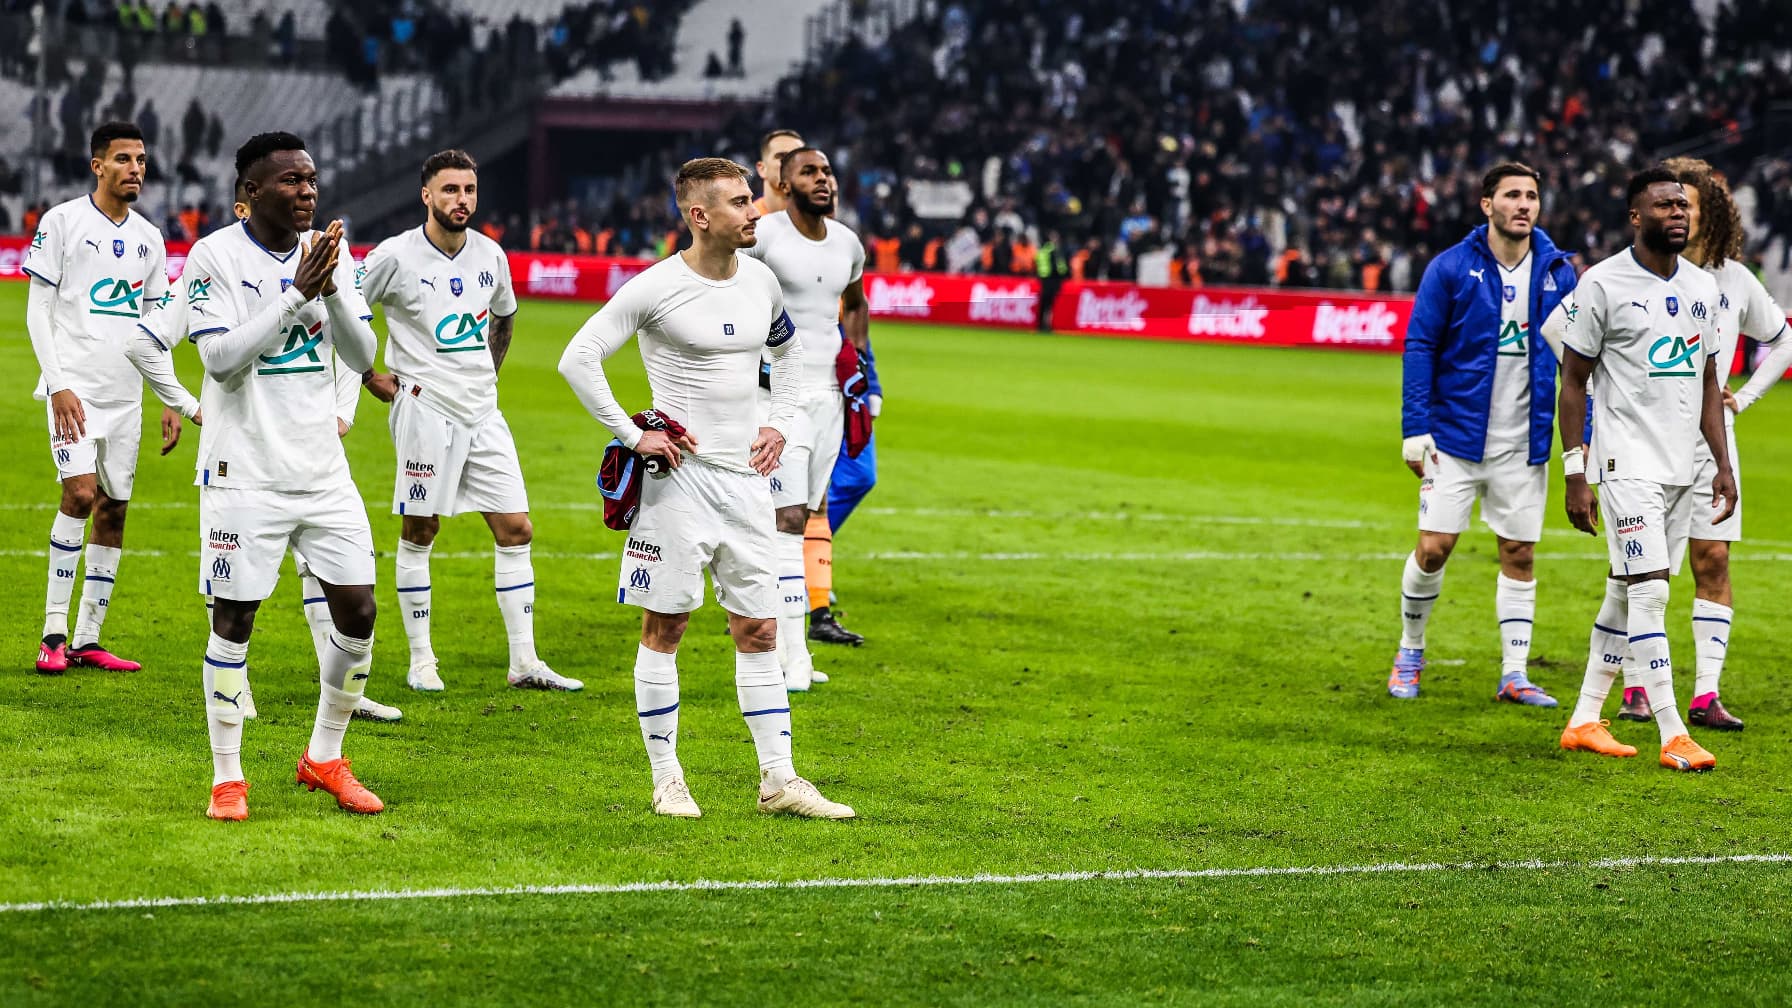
point(1130, 605)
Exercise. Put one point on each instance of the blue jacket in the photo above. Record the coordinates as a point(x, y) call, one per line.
point(1452, 342)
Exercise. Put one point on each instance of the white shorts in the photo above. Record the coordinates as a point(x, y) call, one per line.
point(1704, 472)
point(699, 517)
point(445, 468)
point(108, 449)
point(801, 479)
point(244, 536)
point(1511, 490)
point(1646, 524)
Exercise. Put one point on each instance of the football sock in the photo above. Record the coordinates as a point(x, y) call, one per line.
point(1649, 646)
point(818, 559)
point(225, 680)
point(1418, 593)
point(317, 612)
point(793, 604)
point(1515, 604)
point(1710, 640)
point(342, 678)
point(66, 535)
point(656, 704)
point(759, 684)
point(515, 578)
point(96, 594)
point(412, 575)
point(1605, 652)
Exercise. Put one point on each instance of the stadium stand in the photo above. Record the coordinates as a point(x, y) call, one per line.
point(1242, 150)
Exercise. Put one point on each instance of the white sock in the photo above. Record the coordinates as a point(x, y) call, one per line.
point(1710, 643)
point(793, 605)
point(317, 612)
point(1649, 645)
point(1515, 604)
point(656, 704)
point(96, 594)
point(225, 679)
point(759, 684)
point(413, 599)
point(1418, 593)
point(515, 577)
point(66, 535)
point(342, 678)
point(1605, 652)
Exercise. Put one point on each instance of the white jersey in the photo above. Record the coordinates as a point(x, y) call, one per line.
point(439, 309)
point(105, 275)
point(1652, 338)
point(834, 263)
point(270, 424)
point(700, 341)
point(1745, 309)
point(1509, 414)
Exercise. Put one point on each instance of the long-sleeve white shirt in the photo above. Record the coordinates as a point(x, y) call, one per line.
point(700, 341)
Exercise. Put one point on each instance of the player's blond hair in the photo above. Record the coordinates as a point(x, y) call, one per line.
point(697, 173)
point(1720, 223)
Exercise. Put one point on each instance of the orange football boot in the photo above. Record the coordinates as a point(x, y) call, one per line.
point(1594, 736)
point(335, 777)
point(230, 801)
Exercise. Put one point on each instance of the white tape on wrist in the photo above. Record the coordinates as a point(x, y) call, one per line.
point(1574, 462)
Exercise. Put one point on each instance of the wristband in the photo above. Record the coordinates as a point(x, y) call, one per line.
point(1574, 462)
point(366, 376)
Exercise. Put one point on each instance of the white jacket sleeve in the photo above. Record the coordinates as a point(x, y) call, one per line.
point(154, 359)
point(38, 308)
point(582, 365)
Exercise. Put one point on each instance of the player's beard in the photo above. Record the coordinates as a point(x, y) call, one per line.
point(446, 222)
point(811, 206)
point(1504, 227)
point(1657, 240)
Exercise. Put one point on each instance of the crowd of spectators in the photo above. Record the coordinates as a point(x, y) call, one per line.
point(1302, 142)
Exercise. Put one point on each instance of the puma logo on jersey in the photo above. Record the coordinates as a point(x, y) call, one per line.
point(1480, 275)
point(431, 283)
point(256, 287)
point(90, 241)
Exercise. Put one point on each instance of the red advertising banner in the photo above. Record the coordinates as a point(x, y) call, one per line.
point(952, 299)
point(1233, 315)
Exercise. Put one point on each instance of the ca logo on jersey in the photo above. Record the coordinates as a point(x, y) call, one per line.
point(1514, 339)
point(117, 298)
point(199, 289)
point(299, 355)
point(38, 239)
point(461, 332)
point(1674, 357)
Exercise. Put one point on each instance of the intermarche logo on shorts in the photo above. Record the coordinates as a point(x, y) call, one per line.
point(640, 580)
point(641, 549)
point(299, 355)
point(1631, 524)
point(116, 298)
point(221, 540)
point(419, 470)
point(468, 332)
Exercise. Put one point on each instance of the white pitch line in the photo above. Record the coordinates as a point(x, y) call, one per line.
point(898, 882)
